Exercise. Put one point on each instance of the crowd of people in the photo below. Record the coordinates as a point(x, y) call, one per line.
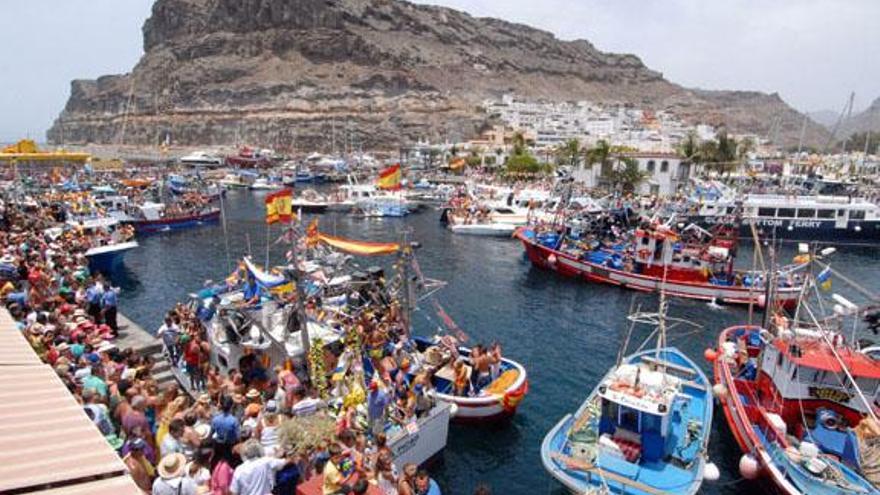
point(230, 438)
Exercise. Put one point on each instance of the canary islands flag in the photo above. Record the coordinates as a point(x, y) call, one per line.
point(389, 178)
point(279, 206)
point(824, 278)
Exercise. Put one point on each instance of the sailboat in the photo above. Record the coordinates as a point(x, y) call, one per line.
point(644, 429)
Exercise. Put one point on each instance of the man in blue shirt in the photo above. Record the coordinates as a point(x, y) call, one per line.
point(93, 298)
point(225, 428)
point(109, 300)
point(377, 404)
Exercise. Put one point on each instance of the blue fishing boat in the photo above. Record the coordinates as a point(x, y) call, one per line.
point(107, 254)
point(643, 430)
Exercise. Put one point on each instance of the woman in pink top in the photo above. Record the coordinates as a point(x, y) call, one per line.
point(221, 476)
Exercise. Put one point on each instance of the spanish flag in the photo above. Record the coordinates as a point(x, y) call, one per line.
point(279, 207)
point(389, 178)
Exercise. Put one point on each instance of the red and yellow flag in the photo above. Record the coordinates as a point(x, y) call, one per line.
point(279, 206)
point(389, 178)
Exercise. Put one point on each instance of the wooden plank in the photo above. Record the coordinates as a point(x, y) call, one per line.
point(592, 469)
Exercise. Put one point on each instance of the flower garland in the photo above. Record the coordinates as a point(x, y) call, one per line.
point(316, 367)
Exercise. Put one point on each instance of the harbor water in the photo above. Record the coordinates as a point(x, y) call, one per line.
point(567, 333)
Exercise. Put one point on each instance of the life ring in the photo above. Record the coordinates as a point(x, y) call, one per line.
point(644, 253)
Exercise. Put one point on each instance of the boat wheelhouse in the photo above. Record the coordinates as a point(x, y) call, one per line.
point(802, 408)
point(643, 430)
point(656, 258)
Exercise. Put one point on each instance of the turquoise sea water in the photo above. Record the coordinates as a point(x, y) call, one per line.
point(567, 333)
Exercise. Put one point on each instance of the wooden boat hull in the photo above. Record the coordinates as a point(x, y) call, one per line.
point(775, 466)
point(108, 259)
point(567, 265)
point(606, 475)
point(179, 223)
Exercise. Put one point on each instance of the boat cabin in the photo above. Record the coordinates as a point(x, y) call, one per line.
point(641, 415)
point(660, 252)
point(804, 372)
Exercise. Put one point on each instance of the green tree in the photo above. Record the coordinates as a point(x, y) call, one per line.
point(689, 148)
point(569, 153)
point(523, 163)
point(601, 154)
point(626, 175)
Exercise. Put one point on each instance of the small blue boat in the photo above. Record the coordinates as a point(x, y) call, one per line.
point(643, 430)
point(108, 259)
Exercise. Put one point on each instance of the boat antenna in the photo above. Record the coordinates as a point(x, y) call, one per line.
point(632, 325)
point(225, 233)
point(300, 313)
point(769, 280)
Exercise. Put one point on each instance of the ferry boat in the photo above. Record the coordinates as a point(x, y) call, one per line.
point(801, 408)
point(799, 218)
point(656, 259)
point(310, 201)
point(107, 256)
point(644, 429)
point(496, 401)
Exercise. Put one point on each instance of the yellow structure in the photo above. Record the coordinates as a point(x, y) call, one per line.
point(26, 151)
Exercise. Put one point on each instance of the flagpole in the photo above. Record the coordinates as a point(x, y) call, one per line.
point(268, 226)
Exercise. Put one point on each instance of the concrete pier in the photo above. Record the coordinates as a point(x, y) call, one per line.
point(132, 335)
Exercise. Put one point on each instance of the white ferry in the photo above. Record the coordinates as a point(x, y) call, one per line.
point(800, 218)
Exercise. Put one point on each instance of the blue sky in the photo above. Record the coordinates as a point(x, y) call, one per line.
point(813, 52)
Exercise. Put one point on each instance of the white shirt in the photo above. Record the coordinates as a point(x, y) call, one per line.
point(256, 476)
point(174, 486)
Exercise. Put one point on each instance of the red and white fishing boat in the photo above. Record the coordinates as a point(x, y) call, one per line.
point(495, 401)
point(801, 406)
point(656, 258)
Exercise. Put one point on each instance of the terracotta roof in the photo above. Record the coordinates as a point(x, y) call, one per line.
point(14, 348)
point(46, 440)
point(817, 355)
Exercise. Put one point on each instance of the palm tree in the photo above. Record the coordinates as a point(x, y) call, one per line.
point(601, 154)
point(569, 153)
point(627, 177)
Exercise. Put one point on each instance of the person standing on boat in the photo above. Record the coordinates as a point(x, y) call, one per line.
point(377, 408)
point(482, 363)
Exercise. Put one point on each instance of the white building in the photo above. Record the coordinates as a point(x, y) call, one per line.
point(665, 173)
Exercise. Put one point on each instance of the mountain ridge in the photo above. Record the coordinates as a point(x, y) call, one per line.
point(385, 71)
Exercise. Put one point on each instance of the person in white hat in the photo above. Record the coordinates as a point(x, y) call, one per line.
point(171, 480)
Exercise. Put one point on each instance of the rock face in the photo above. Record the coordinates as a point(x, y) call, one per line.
point(866, 121)
point(373, 73)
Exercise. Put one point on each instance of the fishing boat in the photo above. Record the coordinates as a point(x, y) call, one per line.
point(657, 258)
point(266, 334)
point(800, 404)
point(498, 221)
point(264, 184)
point(111, 244)
point(201, 159)
point(152, 217)
point(250, 158)
point(644, 429)
point(310, 201)
point(496, 401)
point(233, 181)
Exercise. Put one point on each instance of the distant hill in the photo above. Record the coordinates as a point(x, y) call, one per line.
point(825, 118)
point(868, 120)
point(376, 72)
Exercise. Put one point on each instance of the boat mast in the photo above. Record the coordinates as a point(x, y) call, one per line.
point(299, 315)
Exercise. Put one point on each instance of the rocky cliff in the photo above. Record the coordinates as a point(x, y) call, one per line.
point(374, 72)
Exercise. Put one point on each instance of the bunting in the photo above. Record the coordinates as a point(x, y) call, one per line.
point(279, 206)
point(389, 178)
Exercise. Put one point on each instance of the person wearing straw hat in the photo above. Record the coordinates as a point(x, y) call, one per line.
point(171, 480)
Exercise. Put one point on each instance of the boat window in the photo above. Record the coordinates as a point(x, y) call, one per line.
point(629, 419)
point(651, 423)
point(806, 213)
point(794, 371)
point(645, 241)
point(841, 213)
point(785, 213)
point(223, 363)
point(779, 359)
point(766, 212)
point(730, 210)
point(609, 410)
point(857, 215)
point(826, 213)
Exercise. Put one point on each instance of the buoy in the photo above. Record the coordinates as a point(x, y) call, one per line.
point(453, 410)
point(551, 259)
point(711, 472)
point(710, 355)
point(748, 467)
point(719, 390)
